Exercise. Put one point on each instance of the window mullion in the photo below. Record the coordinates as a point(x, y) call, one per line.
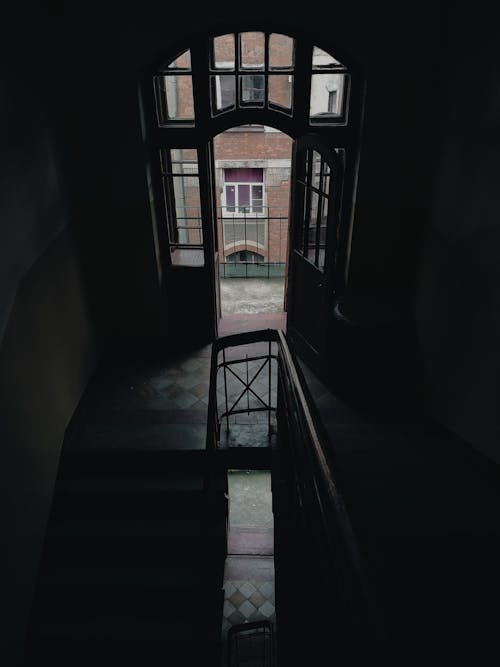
point(319, 212)
point(266, 69)
point(302, 85)
point(200, 55)
point(307, 205)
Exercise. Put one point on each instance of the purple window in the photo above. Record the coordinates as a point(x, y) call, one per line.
point(244, 191)
point(247, 175)
point(243, 197)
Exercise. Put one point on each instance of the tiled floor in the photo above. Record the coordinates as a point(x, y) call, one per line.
point(248, 600)
point(248, 577)
point(248, 593)
point(164, 405)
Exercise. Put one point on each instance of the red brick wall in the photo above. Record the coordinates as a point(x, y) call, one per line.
point(252, 146)
point(260, 145)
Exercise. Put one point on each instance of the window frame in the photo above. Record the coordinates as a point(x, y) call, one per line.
point(238, 213)
point(342, 132)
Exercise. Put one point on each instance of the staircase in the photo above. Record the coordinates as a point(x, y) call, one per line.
point(132, 570)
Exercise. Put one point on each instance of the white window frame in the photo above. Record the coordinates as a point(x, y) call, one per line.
point(227, 69)
point(241, 214)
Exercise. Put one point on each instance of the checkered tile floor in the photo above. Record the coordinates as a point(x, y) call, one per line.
point(250, 598)
point(248, 592)
point(248, 601)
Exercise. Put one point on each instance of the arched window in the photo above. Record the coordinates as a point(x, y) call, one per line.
point(251, 70)
point(245, 256)
point(253, 78)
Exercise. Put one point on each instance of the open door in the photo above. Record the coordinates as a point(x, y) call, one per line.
point(214, 250)
point(316, 186)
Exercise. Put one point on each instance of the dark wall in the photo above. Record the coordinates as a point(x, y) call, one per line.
point(459, 289)
point(48, 325)
point(76, 244)
point(47, 354)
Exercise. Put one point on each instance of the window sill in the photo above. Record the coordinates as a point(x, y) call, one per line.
point(187, 257)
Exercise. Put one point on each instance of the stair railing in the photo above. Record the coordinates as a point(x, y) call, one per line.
point(321, 531)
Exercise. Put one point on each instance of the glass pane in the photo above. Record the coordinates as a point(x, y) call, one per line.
point(323, 59)
point(320, 261)
point(280, 51)
point(223, 92)
point(187, 199)
point(178, 91)
point(182, 62)
point(280, 90)
point(327, 93)
point(315, 180)
point(257, 199)
point(243, 198)
point(230, 198)
point(252, 50)
point(323, 219)
point(313, 217)
point(184, 160)
point(223, 54)
point(326, 178)
point(301, 246)
point(252, 89)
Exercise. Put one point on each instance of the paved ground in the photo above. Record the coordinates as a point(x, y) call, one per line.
point(250, 499)
point(251, 295)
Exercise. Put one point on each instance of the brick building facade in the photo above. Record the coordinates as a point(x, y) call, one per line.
point(253, 229)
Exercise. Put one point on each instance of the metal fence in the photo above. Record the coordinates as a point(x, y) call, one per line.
point(254, 245)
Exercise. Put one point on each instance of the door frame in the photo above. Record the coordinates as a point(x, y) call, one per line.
point(180, 134)
point(304, 150)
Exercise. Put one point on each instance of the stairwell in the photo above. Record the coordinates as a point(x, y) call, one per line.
point(133, 564)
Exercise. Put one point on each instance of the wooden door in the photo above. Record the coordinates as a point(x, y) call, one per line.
point(316, 185)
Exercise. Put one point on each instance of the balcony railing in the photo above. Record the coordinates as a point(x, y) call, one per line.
point(254, 242)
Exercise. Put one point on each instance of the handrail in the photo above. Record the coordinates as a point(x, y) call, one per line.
point(335, 520)
point(315, 475)
point(330, 486)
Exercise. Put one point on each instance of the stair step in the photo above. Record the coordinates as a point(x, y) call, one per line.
point(130, 551)
point(99, 604)
point(184, 579)
point(90, 483)
point(147, 505)
point(133, 565)
point(171, 629)
point(78, 463)
point(126, 651)
point(110, 528)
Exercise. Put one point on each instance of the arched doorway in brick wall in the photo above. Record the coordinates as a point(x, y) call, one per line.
point(248, 84)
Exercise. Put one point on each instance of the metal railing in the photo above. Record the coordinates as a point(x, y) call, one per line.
point(320, 534)
point(243, 384)
point(253, 230)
